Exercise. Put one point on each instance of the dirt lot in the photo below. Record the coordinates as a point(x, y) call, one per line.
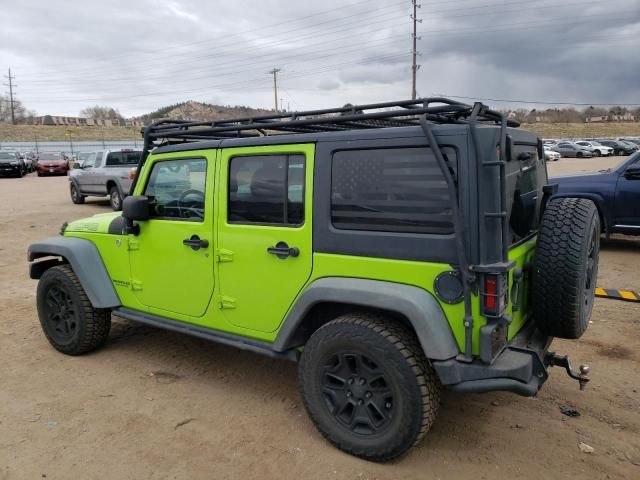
point(155, 404)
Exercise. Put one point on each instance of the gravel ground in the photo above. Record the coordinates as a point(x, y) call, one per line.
point(154, 404)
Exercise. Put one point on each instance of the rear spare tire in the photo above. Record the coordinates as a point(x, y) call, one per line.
point(565, 267)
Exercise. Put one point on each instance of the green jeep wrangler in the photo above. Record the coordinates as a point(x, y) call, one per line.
point(391, 249)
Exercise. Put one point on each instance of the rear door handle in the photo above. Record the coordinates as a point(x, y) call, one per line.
point(195, 243)
point(282, 251)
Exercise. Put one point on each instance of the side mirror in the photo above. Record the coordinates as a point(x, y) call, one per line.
point(136, 207)
point(632, 173)
point(76, 165)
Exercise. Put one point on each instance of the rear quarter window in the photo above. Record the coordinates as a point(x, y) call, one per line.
point(390, 190)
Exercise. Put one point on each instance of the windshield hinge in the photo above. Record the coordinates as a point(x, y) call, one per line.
point(224, 255)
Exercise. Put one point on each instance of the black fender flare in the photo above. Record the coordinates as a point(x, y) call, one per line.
point(116, 182)
point(86, 262)
point(416, 304)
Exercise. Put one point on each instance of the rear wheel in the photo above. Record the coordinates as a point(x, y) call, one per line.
point(115, 199)
point(368, 387)
point(565, 267)
point(68, 319)
point(76, 197)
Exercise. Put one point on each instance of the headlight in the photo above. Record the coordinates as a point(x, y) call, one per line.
point(15, 163)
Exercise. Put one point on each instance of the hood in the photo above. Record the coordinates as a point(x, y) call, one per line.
point(52, 162)
point(96, 224)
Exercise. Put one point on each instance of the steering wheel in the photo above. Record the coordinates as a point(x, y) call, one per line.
point(185, 211)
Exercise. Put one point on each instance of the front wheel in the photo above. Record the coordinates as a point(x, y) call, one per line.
point(76, 197)
point(68, 319)
point(368, 387)
point(115, 199)
point(596, 153)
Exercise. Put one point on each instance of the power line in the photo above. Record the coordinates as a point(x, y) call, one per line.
point(414, 51)
point(11, 100)
point(542, 102)
point(274, 72)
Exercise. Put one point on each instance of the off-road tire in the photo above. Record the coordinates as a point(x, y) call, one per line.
point(91, 325)
point(394, 350)
point(115, 199)
point(76, 196)
point(565, 267)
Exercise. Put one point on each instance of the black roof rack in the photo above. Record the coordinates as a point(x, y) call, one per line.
point(349, 117)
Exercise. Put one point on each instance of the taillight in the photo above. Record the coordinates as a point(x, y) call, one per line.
point(133, 173)
point(494, 295)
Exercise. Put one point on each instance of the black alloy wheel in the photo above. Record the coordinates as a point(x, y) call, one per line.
point(356, 393)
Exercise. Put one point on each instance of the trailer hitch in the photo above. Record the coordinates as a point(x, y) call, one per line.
point(552, 359)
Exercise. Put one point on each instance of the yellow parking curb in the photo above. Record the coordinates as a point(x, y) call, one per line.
point(626, 295)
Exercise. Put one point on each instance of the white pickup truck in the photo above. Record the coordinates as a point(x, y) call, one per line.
point(108, 172)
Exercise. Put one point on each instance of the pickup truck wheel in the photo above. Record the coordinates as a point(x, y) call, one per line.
point(565, 267)
point(368, 387)
point(68, 319)
point(115, 199)
point(76, 197)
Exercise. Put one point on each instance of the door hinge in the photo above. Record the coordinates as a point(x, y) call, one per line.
point(226, 302)
point(224, 255)
point(136, 285)
point(133, 244)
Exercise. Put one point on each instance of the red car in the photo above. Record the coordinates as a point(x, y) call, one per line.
point(52, 164)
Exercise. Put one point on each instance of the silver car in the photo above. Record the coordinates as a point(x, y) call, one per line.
point(572, 149)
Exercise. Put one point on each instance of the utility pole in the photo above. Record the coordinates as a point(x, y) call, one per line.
point(11, 101)
point(274, 72)
point(414, 66)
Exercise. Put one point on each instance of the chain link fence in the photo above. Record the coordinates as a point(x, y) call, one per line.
point(70, 147)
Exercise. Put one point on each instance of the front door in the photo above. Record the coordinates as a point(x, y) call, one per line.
point(264, 232)
point(628, 196)
point(171, 259)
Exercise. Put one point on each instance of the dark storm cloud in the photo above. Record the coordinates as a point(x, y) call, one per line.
point(140, 55)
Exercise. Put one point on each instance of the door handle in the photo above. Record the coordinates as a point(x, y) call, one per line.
point(195, 243)
point(282, 251)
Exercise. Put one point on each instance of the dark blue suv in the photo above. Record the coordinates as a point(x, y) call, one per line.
point(615, 191)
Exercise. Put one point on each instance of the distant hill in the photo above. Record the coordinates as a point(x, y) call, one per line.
point(192, 110)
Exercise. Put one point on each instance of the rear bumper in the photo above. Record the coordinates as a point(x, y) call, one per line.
point(519, 368)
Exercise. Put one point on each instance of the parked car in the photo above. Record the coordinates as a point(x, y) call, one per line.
point(344, 249)
point(52, 163)
point(11, 164)
point(619, 148)
point(104, 173)
point(596, 148)
point(571, 149)
point(550, 155)
point(615, 191)
point(31, 159)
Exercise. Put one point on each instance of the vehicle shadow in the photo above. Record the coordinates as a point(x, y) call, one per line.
point(620, 243)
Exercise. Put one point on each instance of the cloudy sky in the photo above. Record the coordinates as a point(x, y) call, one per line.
point(138, 55)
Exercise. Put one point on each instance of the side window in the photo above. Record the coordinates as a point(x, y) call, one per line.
point(266, 189)
point(89, 161)
point(114, 159)
point(176, 189)
point(390, 190)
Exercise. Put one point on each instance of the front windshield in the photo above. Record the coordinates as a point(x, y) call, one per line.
point(83, 156)
point(50, 156)
point(7, 156)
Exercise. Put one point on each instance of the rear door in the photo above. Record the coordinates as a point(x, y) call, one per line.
point(264, 232)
